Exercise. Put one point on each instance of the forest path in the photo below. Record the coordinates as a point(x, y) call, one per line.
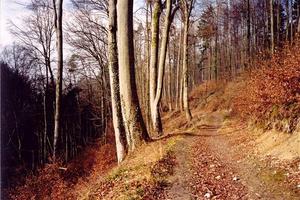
point(209, 167)
point(180, 179)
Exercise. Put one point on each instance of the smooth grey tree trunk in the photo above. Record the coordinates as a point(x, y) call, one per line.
point(155, 118)
point(59, 45)
point(133, 122)
point(120, 136)
point(178, 79)
point(185, 72)
point(187, 8)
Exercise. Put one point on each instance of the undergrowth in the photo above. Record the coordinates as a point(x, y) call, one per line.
point(271, 94)
point(268, 95)
point(59, 181)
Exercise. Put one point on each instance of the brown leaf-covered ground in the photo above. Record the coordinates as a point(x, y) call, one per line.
point(217, 161)
point(214, 156)
point(209, 158)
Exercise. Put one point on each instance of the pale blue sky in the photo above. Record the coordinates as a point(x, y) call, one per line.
point(15, 9)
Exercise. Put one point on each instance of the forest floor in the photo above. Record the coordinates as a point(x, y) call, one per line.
point(215, 156)
point(212, 157)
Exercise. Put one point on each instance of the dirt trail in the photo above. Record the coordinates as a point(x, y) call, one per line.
point(208, 167)
point(181, 178)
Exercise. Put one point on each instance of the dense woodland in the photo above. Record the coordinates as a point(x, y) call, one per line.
point(74, 75)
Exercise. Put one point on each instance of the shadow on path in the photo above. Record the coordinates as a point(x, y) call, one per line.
point(203, 131)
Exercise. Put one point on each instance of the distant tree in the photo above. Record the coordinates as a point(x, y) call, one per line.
point(186, 9)
point(271, 25)
point(21, 119)
point(158, 65)
point(87, 34)
point(36, 35)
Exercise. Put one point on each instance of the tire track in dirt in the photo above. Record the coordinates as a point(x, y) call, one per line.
point(180, 180)
point(199, 174)
point(208, 168)
point(248, 171)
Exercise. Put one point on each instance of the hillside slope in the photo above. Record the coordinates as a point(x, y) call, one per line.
point(217, 155)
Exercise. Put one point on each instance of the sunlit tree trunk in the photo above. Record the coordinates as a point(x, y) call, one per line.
point(178, 65)
point(169, 83)
point(156, 122)
point(134, 125)
point(147, 74)
point(161, 68)
point(185, 73)
point(58, 98)
point(120, 136)
point(187, 8)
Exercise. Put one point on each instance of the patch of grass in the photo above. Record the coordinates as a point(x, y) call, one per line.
point(171, 143)
point(117, 173)
point(273, 176)
point(144, 174)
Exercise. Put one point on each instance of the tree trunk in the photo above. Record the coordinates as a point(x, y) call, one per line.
point(298, 17)
point(278, 23)
point(178, 71)
point(147, 97)
point(120, 136)
point(248, 31)
point(44, 140)
point(287, 9)
point(169, 83)
point(58, 97)
point(298, 29)
point(156, 122)
point(292, 24)
point(133, 122)
point(272, 25)
point(185, 68)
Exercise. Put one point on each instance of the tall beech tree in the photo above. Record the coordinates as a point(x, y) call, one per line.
point(156, 121)
point(113, 66)
point(136, 132)
point(186, 9)
point(58, 12)
point(158, 65)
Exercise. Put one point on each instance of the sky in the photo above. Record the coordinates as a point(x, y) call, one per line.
point(15, 9)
